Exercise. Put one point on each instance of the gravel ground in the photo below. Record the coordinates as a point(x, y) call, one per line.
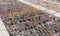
point(48, 4)
point(11, 6)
